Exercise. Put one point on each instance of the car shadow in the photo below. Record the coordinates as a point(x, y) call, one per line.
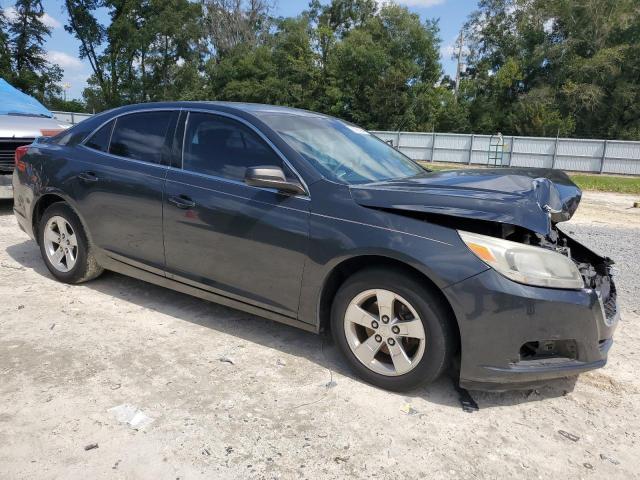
point(319, 349)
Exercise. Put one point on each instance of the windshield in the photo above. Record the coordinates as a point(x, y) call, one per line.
point(340, 151)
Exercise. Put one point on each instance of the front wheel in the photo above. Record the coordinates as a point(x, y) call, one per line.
point(64, 246)
point(393, 330)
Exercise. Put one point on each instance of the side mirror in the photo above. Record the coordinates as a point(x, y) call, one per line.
point(271, 177)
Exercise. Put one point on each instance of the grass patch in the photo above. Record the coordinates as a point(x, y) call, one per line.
point(604, 183)
point(600, 183)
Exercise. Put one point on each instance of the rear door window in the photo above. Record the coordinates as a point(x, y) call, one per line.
point(142, 136)
point(100, 140)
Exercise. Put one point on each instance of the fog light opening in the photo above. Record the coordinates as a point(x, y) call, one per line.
point(549, 349)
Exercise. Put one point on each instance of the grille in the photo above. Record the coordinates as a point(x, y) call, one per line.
point(8, 150)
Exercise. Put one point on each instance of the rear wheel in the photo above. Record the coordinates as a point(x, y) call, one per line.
point(393, 330)
point(64, 245)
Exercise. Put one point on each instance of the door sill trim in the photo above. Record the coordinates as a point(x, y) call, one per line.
point(111, 263)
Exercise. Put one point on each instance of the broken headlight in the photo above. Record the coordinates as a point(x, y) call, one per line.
point(525, 263)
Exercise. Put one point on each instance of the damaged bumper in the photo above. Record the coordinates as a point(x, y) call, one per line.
point(516, 336)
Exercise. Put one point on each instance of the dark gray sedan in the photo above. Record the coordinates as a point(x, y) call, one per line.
point(313, 222)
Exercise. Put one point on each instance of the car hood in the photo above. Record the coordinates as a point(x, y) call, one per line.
point(531, 198)
point(24, 126)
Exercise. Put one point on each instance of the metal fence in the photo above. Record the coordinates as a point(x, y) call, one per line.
point(71, 117)
point(598, 156)
point(580, 155)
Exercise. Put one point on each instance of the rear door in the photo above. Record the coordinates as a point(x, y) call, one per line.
point(244, 242)
point(119, 188)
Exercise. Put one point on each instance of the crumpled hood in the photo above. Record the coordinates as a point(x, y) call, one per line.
point(532, 198)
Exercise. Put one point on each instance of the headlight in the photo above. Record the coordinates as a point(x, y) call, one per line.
point(525, 263)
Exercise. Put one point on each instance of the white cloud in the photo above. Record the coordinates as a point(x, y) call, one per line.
point(421, 3)
point(47, 19)
point(447, 51)
point(413, 3)
point(50, 21)
point(66, 61)
point(450, 50)
point(75, 71)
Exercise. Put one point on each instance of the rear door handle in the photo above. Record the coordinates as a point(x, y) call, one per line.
point(181, 201)
point(88, 177)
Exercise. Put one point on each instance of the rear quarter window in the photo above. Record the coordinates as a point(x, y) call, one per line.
point(100, 140)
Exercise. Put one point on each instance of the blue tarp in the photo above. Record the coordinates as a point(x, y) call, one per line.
point(13, 100)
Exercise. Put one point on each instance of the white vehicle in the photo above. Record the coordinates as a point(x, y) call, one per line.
point(22, 120)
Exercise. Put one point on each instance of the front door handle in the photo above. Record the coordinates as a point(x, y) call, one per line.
point(88, 177)
point(181, 201)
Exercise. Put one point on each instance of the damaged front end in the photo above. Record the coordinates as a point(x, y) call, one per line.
point(517, 205)
point(547, 304)
point(596, 270)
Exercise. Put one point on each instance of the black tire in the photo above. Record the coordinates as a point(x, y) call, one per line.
point(86, 267)
point(436, 319)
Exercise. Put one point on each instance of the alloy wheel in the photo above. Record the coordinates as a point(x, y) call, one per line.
point(60, 244)
point(384, 332)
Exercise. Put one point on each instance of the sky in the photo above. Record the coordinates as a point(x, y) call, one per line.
point(62, 47)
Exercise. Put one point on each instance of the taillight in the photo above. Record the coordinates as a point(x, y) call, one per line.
point(21, 152)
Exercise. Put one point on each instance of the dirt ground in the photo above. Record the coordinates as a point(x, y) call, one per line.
point(235, 396)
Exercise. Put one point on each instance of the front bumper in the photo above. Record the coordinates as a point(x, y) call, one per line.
point(498, 317)
point(6, 191)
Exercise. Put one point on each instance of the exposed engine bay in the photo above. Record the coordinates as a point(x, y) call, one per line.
point(596, 270)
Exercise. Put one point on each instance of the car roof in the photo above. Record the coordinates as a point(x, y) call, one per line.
point(264, 108)
point(256, 109)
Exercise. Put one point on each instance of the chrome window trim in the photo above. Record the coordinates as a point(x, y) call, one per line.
point(222, 192)
point(118, 157)
point(255, 130)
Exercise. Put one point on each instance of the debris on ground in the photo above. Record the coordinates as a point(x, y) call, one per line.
point(569, 436)
point(609, 459)
point(469, 405)
point(132, 416)
point(91, 446)
point(407, 409)
point(280, 362)
point(225, 359)
point(331, 384)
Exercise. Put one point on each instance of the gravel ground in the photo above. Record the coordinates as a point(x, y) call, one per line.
point(219, 393)
point(609, 224)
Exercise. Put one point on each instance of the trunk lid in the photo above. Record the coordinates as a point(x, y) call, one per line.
point(531, 198)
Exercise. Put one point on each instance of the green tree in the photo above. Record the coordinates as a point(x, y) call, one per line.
point(283, 71)
point(33, 74)
point(547, 67)
point(376, 70)
point(5, 52)
point(146, 53)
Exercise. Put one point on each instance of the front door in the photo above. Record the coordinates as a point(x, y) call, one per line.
point(243, 242)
